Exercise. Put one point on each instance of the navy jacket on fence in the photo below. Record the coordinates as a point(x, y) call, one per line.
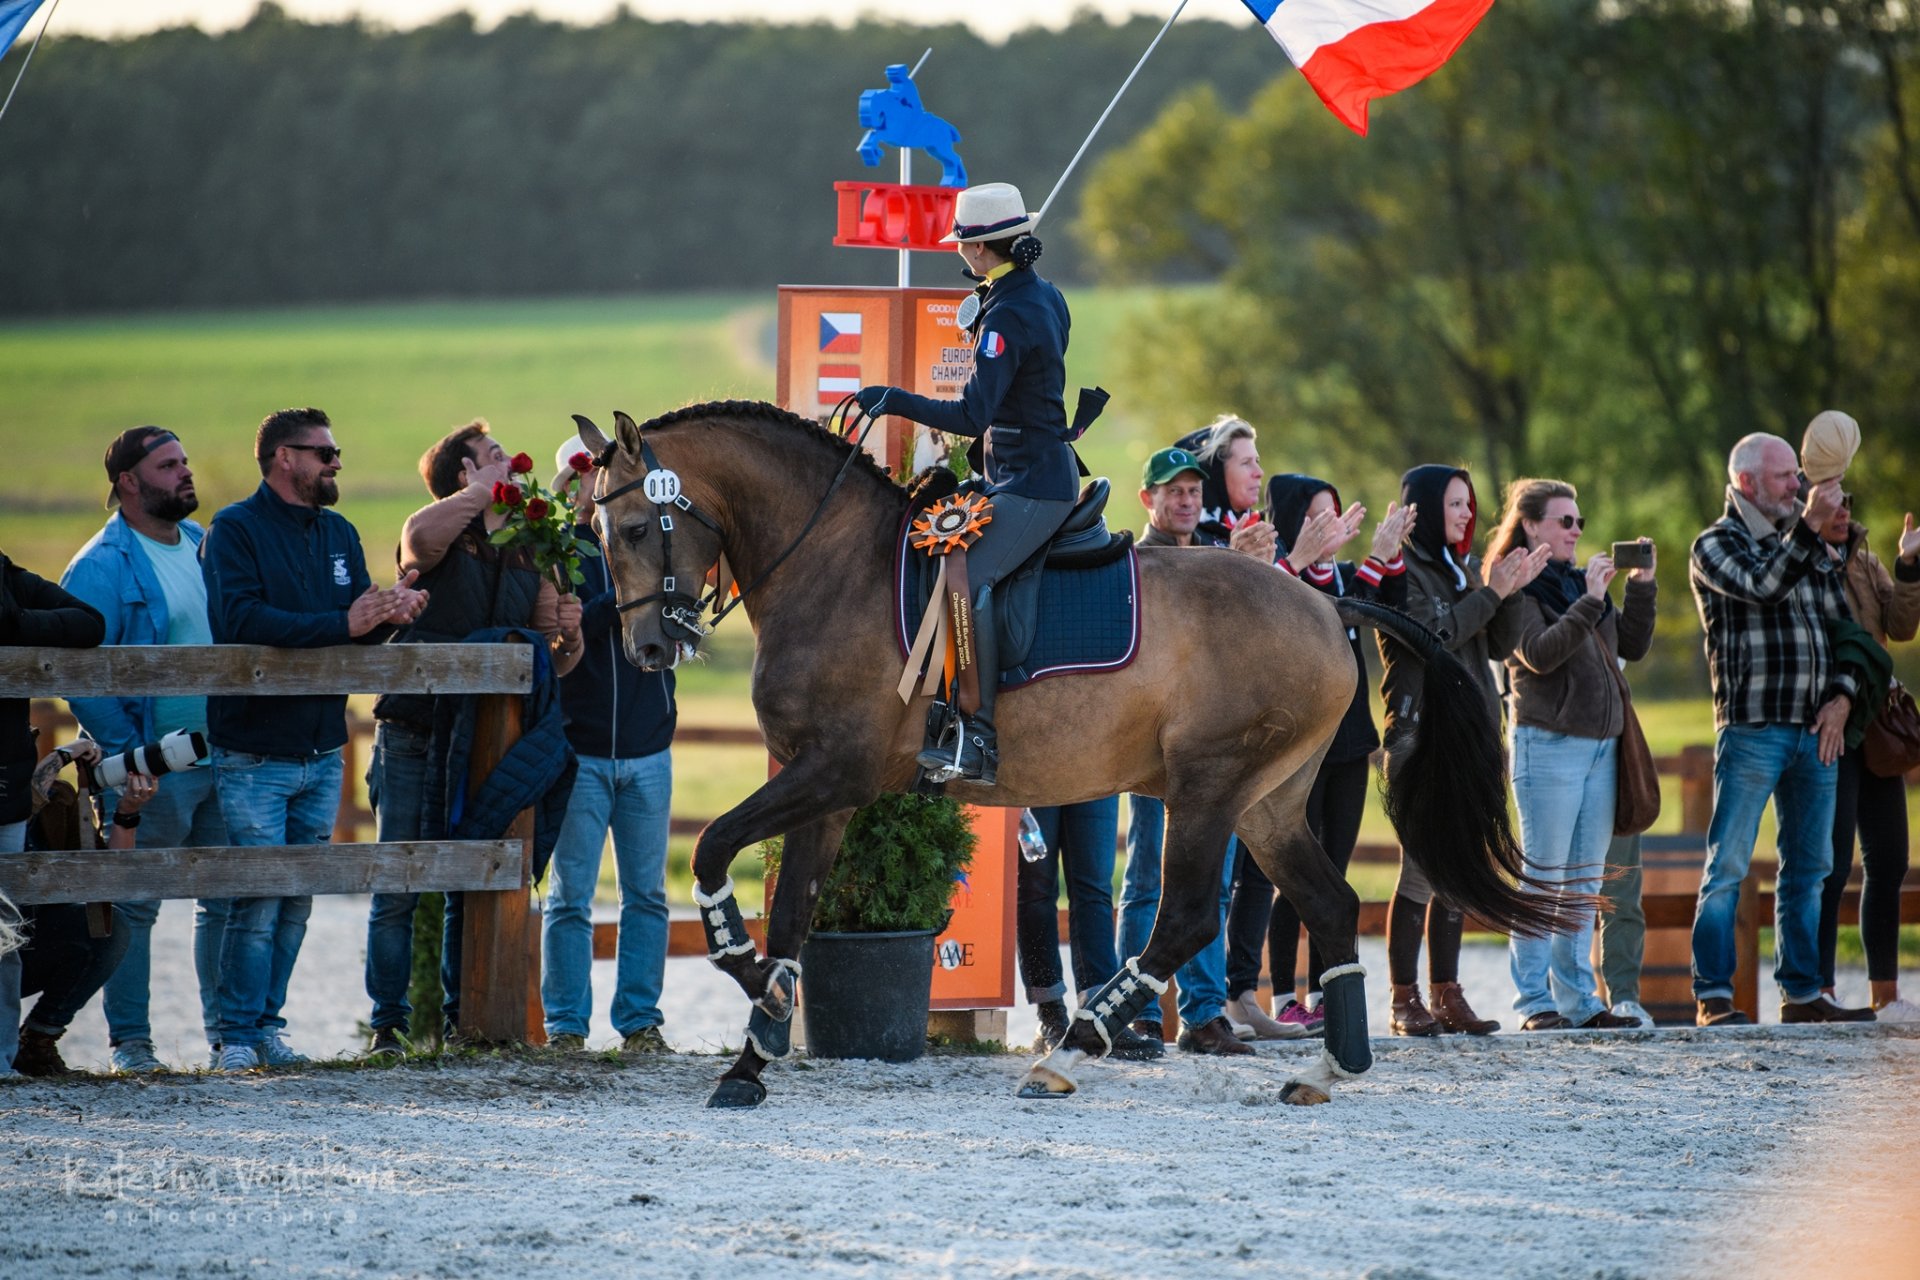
point(283, 575)
point(615, 711)
point(536, 772)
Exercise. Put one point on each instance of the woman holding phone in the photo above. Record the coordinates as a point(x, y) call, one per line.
point(1567, 715)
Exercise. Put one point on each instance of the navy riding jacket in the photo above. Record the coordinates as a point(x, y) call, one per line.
point(1015, 401)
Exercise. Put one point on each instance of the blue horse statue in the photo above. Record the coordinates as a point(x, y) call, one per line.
point(894, 115)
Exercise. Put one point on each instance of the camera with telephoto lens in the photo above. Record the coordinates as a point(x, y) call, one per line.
point(181, 749)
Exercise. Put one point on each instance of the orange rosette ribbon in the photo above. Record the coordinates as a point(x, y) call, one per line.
point(953, 523)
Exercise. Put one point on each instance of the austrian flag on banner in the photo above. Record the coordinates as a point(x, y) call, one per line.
point(1353, 51)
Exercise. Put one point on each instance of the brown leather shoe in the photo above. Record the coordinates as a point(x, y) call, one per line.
point(1546, 1020)
point(1455, 1014)
point(1718, 1011)
point(1608, 1020)
point(1214, 1037)
point(1410, 1016)
point(1816, 1010)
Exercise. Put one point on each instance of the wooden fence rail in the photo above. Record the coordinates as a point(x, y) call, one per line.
point(499, 997)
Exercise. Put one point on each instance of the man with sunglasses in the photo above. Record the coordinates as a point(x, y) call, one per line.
point(283, 570)
point(1765, 587)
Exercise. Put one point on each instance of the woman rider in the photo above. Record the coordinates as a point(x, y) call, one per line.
point(1014, 404)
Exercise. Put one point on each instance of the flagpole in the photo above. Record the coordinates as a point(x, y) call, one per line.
point(1109, 111)
point(25, 62)
point(906, 179)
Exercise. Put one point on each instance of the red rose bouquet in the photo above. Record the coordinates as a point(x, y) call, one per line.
point(541, 523)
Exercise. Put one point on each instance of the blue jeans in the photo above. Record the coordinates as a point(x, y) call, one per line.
point(397, 789)
point(268, 800)
point(13, 839)
point(630, 797)
point(1081, 839)
point(1750, 763)
point(1203, 979)
point(1564, 788)
point(184, 812)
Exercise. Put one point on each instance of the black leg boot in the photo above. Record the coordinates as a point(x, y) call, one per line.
point(975, 757)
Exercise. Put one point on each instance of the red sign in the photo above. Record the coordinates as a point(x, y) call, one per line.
point(886, 215)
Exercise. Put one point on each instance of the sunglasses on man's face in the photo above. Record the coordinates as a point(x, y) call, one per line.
point(327, 453)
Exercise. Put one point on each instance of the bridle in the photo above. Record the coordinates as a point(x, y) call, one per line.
point(680, 612)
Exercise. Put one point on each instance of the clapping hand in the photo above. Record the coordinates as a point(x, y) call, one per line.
point(1252, 535)
point(1322, 535)
point(379, 606)
point(1394, 529)
point(1910, 541)
point(1516, 569)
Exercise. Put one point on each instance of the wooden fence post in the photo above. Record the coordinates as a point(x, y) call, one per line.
point(497, 961)
point(1696, 788)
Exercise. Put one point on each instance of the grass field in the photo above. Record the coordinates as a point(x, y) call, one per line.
point(395, 377)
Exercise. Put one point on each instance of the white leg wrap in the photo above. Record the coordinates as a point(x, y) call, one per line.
point(726, 930)
point(724, 892)
point(1341, 971)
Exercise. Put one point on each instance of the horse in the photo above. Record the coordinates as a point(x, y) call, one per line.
point(1243, 675)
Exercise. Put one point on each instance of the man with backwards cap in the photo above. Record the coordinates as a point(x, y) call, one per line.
point(1014, 406)
point(142, 572)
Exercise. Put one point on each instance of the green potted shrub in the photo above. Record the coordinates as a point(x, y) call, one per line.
point(867, 966)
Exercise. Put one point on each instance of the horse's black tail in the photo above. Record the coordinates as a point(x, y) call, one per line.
point(1447, 793)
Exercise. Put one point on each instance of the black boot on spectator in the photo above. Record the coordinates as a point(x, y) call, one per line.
point(1718, 1011)
point(1819, 1009)
point(39, 1055)
point(1053, 1026)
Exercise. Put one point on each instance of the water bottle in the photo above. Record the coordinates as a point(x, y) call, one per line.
point(1033, 845)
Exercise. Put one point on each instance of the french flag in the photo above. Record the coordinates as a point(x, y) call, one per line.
point(1353, 51)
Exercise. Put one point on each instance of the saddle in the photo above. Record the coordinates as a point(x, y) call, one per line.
point(1069, 564)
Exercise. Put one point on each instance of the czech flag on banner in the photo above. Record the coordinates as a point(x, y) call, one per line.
point(1353, 51)
point(13, 17)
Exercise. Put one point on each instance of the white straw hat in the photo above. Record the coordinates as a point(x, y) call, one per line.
point(990, 211)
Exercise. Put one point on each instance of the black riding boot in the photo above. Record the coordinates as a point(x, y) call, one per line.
point(972, 753)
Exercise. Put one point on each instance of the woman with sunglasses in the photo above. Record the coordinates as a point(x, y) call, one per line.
point(1567, 716)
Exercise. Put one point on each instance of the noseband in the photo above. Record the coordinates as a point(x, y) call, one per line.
point(680, 612)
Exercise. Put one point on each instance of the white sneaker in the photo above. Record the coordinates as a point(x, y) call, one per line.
point(1633, 1009)
point(1898, 1011)
point(276, 1052)
point(1241, 1031)
point(136, 1056)
point(237, 1057)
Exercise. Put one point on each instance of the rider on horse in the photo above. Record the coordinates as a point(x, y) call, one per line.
point(1014, 406)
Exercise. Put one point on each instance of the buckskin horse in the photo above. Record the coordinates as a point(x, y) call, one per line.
point(1242, 676)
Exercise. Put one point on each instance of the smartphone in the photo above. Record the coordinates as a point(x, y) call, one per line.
point(1632, 555)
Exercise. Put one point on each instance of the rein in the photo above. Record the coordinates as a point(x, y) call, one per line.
point(679, 612)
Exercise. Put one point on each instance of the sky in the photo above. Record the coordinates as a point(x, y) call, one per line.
point(127, 17)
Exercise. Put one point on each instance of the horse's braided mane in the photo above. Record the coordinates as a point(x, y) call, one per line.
point(770, 413)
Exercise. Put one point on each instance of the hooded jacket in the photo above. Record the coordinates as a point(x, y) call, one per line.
point(1445, 594)
point(1215, 510)
point(1288, 497)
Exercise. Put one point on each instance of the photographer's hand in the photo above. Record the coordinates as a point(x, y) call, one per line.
point(1645, 572)
point(1600, 572)
point(135, 792)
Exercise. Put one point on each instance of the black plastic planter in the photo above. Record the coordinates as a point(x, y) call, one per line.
point(864, 995)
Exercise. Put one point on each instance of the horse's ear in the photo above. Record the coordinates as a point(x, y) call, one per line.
point(629, 431)
point(591, 436)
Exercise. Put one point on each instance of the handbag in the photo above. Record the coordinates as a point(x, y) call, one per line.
point(1891, 748)
point(1636, 800)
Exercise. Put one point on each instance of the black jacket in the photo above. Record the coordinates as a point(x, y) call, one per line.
point(615, 711)
point(1288, 497)
point(33, 612)
point(1016, 397)
point(283, 575)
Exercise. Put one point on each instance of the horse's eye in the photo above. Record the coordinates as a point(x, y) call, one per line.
point(636, 532)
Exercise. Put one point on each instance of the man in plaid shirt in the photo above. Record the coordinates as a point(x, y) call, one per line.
point(1766, 585)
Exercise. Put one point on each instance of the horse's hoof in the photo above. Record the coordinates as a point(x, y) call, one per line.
point(1045, 1082)
point(734, 1093)
point(1298, 1093)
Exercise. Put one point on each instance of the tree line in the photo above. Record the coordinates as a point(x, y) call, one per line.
point(290, 162)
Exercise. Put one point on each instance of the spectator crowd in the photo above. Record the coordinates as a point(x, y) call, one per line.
point(1797, 613)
